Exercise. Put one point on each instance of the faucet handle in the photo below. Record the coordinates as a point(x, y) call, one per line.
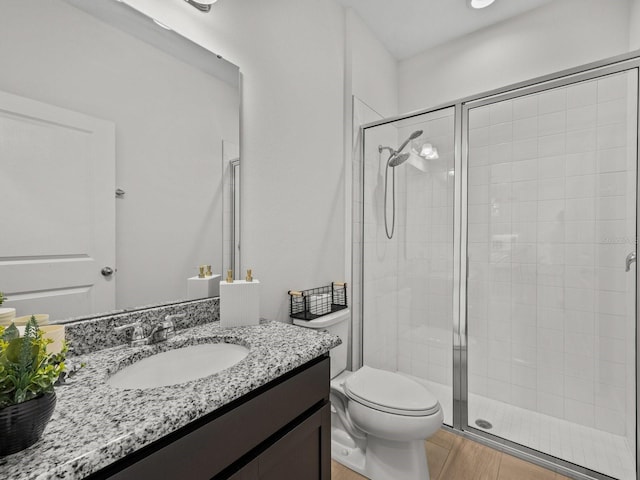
point(170, 318)
point(137, 333)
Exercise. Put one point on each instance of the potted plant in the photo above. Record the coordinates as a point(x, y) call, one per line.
point(27, 376)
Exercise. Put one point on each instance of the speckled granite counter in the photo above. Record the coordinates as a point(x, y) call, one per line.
point(94, 424)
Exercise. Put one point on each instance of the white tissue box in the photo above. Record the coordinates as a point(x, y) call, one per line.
point(239, 303)
point(203, 287)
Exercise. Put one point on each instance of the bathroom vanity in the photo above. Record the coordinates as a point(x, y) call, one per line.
point(266, 417)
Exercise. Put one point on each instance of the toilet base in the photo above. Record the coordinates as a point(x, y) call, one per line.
point(388, 460)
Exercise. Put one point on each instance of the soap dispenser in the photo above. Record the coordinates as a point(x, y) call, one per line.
point(203, 285)
point(239, 301)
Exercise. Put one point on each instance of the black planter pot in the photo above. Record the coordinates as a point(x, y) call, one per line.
point(22, 425)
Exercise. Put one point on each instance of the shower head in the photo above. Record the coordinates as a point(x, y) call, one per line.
point(396, 159)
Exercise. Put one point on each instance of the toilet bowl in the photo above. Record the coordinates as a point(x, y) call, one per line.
point(379, 419)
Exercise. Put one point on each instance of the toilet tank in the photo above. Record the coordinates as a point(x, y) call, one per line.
point(337, 324)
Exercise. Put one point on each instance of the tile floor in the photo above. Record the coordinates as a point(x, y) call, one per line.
point(594, 449)
point(452, 457)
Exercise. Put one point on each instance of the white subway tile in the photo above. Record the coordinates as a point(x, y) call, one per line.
point(580, 186)
point(552, 123)
point(525, 107)
point(552, 319)
point(501, 112)
point(524, 170)
point(500, 153)
point(552, 145)
point(550, 404)
point(526, 192)
point(581, 94)
point(611, 136)
point(612, 87)
point(551, 188)
point(524, 211)
point(554, 100)
point(580, 321)
point(581, 141)
point(614, 111)
point(582, 118)
point(612, 208)
point(550, 210)
point(500, 133)
point(612, 326)
point(579, 299)
point(525, 128)
point(580, 163)
point(551, 253)
point(580, 232)
point(611, 350)
point(550, 380)
point(499, 370)
point(612, 303)
point(579, 389)
point(580, 277)
point(609, 184)
point(580, 366)
point(579, 412)
point(479, 117)
point(525, 149)
point(478, 137)
point(550, 340)
point(524, 397)
point(478, 155)
point(550, 232)
point(579, 209)
point(500, 173)
point(612, 160)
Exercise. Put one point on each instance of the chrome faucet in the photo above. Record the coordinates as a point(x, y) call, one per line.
point(160, 332)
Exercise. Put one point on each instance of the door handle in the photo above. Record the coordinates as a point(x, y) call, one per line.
point(106, 271)
point(631, 258)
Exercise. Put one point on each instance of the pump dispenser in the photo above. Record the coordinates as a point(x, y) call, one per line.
point(239, 301)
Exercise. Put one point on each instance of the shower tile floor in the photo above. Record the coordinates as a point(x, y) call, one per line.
point(594, 449)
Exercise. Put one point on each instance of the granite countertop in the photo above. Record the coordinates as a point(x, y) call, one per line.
point(94, 424)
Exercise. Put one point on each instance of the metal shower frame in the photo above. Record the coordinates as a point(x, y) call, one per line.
point(612, 65)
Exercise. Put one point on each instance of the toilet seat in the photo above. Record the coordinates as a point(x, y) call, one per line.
point(390, 393)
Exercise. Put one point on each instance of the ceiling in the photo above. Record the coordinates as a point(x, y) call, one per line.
point(408, 27)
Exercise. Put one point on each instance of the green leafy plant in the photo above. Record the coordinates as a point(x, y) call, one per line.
point(26, 369)
point(2, 298)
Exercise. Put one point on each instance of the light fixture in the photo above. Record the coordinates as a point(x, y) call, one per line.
point(481, 3)
point(429, 152)
point(202, 5)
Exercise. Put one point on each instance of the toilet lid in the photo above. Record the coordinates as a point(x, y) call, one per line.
point(390, 392)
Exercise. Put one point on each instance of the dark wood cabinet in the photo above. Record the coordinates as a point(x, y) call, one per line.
point(279, 431)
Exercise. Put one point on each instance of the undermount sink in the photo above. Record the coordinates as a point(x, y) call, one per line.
point(178, 366)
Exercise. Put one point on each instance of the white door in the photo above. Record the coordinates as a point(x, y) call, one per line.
point(57, 209)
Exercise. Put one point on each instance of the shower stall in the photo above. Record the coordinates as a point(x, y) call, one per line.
point(507, 284)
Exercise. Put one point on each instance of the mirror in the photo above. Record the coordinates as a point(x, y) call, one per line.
point(117, 137)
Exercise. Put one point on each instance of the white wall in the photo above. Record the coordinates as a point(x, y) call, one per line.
point(291, 55)
point(634, 25)
point(373, 70)
point(561, 35)
point(371, 93)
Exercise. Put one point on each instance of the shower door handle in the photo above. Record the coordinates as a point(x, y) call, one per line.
point(631, 258)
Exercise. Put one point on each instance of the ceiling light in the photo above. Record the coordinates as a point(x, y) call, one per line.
point(481, 3)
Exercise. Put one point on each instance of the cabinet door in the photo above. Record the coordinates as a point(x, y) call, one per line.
point(303, 453)
point(248, 472)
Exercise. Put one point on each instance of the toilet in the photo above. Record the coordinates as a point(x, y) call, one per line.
point(379, 419)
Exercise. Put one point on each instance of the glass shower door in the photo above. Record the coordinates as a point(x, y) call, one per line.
point(550, 310)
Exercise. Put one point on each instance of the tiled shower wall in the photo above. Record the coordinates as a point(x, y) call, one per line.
point(408, 283)
point(551, 218)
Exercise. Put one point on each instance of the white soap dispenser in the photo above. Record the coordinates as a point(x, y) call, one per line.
point(239, 301)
